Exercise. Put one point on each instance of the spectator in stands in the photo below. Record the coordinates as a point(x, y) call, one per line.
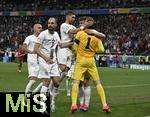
point(110, 59)
point(34, 5)
point(147, 60)
point(104, 61)
point(124, 59)
point(117, 58)
point(10, 55)
point(131, 33)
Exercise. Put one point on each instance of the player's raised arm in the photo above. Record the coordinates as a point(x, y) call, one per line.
point(95, 33)
point(74, 31)
point(88, 22)
point(70, 18)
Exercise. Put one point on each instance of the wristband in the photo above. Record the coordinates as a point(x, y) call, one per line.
point(81, 27)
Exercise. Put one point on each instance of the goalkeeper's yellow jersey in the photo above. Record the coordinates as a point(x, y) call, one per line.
point(87, 45)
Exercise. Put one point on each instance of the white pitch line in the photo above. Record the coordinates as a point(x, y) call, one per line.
point(121, 86)
point(126, 86)
point(106, 87)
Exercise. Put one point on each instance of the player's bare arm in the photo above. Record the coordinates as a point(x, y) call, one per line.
point(88, 22)
point(65, 45)
point(82, 27)
point(74, 31)
point(39, 53)
point(95, 33)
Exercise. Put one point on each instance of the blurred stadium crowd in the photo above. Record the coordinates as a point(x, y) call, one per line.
point(125, 33)
point(15, 5)
point(128, 33)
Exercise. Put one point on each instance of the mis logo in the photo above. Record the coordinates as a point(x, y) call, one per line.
point(35, 103)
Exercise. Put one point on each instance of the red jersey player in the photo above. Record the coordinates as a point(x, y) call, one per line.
point(20, 56)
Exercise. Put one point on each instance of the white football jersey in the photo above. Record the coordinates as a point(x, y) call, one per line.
point(30, 41)
point(48, 43)
point(64, 28)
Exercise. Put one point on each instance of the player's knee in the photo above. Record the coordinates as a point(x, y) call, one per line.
point(76, 81)
point(56, 84)
point(62, 67)
point(46, 82)
point(32, 78)
point(86, 83)
point(56, 81)
point(96, 82)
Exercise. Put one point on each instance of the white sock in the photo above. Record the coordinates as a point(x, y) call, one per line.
point(37, 89)
point(28, 87)
point(68, 86)
point(51, 87)
point(81, 95)
point(87, 93)
point(44, 90)
point(62, 75)
point(54, 94)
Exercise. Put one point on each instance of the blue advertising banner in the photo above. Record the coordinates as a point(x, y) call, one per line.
point(78, 12)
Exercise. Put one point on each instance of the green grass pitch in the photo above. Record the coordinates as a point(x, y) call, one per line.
point(127, 91)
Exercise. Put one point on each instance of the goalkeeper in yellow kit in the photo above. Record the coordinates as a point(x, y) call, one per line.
point(86, 47)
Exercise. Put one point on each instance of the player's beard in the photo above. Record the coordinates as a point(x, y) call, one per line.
point(51, 30)
point(71, 22)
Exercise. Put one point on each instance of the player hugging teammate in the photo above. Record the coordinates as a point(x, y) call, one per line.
point(91, 39)
point(67, 57)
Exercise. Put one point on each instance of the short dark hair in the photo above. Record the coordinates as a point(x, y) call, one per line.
point(82, 18)
point(90, 19)
point(69, 13)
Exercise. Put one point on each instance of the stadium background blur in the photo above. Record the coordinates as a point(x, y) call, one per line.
point(127, 31)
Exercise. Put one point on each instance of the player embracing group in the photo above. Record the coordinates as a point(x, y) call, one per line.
point(52, 58)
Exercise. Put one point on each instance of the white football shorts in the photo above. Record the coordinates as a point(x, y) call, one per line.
point(33, 69)
point(48, 70)
point(65, 56)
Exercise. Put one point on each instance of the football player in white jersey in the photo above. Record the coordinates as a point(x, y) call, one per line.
point(45, 47)
point(33, 67)
point(65, 56)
